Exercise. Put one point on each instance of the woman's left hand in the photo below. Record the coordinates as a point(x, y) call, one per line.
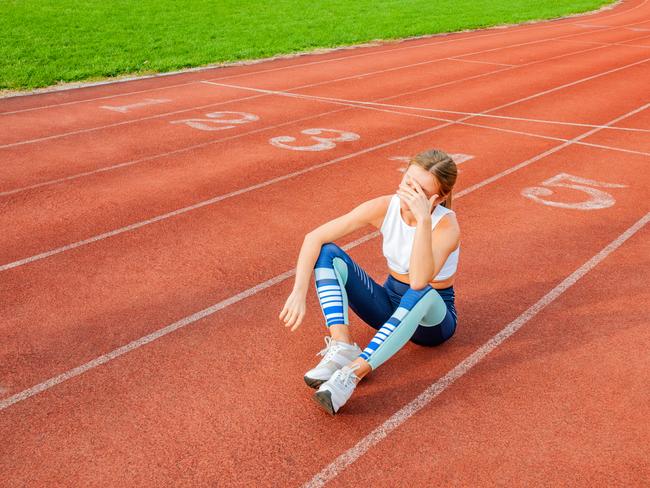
point(416, 200)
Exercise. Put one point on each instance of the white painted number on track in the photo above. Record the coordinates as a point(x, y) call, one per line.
point(215, 120)
point(126, 108)
point(458, 159)
point(322, 144)
point(598, 198)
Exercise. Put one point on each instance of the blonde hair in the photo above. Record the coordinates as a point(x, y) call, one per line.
point(440, 164)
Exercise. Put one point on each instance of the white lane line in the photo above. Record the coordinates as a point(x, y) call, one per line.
point(210, 201)
point(544, 24)
point(423, 399)
point(216, 141)
point(120, 351)
point(223, 139)
point(144, 103)
point(471, 114)
point(456, 58)
point(29, 392)
point(500, 129)
point(591, 26)
point(204, 203)
point(622, 43)
point(512, 169)
point(162, 155)
point(325, 82)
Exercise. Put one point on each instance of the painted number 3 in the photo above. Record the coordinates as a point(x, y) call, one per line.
point(597, 198)
point(322, 143)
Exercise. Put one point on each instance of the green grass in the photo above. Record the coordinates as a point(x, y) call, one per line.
point(43, 42)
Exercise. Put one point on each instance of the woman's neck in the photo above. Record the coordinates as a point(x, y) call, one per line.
point(408, 221)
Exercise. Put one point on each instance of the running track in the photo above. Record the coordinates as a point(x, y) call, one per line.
point(148, 248)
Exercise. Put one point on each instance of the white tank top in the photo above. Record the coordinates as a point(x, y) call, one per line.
point(399, 236)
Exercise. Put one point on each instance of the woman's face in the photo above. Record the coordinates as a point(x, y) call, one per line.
point(427, 181)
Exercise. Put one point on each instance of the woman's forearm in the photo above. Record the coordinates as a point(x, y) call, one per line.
point(421, 265)
point(306, 260)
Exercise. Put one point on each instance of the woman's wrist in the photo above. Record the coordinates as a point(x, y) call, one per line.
point(426, 219)
point(300, 290)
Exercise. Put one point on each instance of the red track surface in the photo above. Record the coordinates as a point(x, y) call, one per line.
point(143, 265)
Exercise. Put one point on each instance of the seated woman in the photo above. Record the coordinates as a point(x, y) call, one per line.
point(421, 244)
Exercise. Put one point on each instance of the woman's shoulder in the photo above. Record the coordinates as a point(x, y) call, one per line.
point(380, 206)
point(448, 221)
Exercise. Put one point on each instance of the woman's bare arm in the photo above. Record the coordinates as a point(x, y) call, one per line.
point(368, 212)
point(364, 214)
point(431, 250)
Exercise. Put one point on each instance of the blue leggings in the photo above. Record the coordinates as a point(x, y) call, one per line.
point(426, 317)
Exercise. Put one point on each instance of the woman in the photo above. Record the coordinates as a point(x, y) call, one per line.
point(421, 244)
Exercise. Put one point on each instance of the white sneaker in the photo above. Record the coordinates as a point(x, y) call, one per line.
point(333, 394)
point(335, 355)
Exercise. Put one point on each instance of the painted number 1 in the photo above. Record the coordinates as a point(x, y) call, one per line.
point(597, 198)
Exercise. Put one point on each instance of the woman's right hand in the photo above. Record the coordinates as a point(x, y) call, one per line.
point(294, 310)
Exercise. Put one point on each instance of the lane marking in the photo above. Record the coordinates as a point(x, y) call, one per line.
point(458, 58)
point(509, 131)
point(144, 103)
point(158, 156)
point(597, 199)
point(592, 26)
point(498, 129)
point(545, 153)
point(196, 146)
point(455, 112)
point(34, 390)
point(545, 24)
point(174, 213)
point(423, 399)
point(622, 43)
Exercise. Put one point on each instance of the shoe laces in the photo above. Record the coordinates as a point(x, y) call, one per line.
point(346, 374)
point(330, 349)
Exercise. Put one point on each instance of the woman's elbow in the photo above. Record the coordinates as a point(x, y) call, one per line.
point(418, 285)
point(311, 236)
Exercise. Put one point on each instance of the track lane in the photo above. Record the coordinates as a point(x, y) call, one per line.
point(562, 402)
point(60, 235)
point(183, 401)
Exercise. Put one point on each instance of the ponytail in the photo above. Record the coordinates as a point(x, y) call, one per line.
point(447, 202)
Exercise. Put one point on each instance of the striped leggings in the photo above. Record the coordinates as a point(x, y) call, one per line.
point(426, 317)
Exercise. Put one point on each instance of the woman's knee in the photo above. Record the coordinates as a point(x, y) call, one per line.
point(420, 293)
point(429, 336)
point(328, 251)
point(329, 247)
point(431, 340)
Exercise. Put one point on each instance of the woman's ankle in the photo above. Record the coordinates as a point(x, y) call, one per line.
point(340, 333)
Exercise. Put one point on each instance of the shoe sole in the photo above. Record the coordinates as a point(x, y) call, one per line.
point(324, 399)
point(313, 383)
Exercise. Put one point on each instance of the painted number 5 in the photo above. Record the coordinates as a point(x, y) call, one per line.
point(322, 143)
point(597, 198)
